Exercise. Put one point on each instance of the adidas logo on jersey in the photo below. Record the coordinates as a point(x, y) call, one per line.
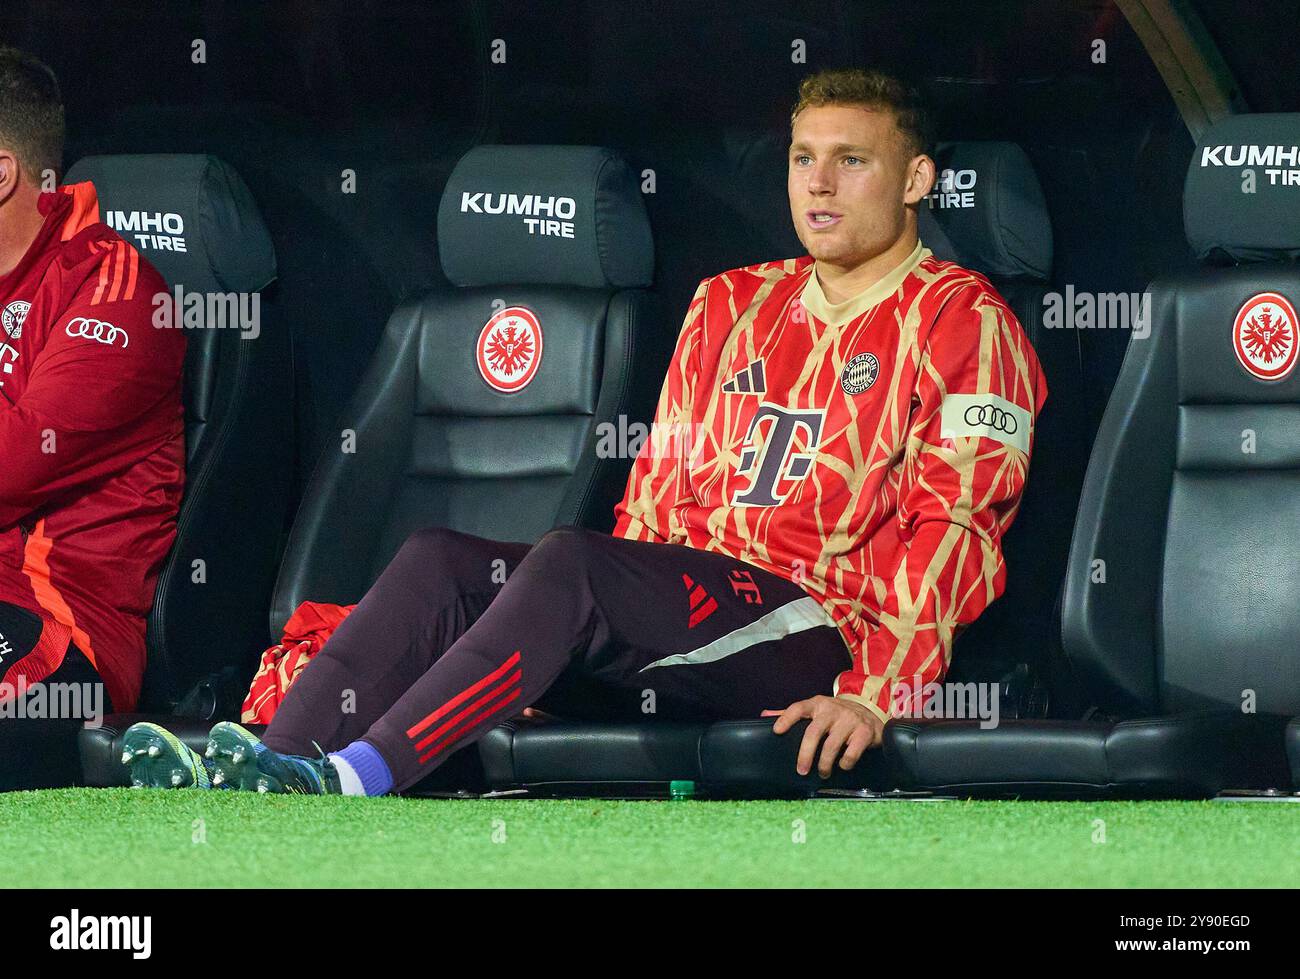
point(749, 380)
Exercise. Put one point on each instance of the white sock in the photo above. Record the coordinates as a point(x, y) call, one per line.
point(349, 780)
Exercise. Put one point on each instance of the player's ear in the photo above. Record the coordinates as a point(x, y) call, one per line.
point(920, 178)
point(10, 174)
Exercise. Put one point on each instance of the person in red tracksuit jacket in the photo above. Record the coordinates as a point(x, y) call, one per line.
point(92, 445)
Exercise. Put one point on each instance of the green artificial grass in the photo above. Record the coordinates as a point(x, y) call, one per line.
point(141, 838)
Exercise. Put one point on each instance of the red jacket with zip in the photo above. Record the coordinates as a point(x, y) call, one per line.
point(92, 442)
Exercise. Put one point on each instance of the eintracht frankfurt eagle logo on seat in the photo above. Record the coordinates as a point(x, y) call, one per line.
point(1264, 336)
point(510, 348)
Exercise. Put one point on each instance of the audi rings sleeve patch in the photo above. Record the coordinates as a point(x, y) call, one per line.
point(83, 328)
point(985, 416)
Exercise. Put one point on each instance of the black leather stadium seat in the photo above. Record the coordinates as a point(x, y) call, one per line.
point(1197, 754)
point(1182, 599)
point(723, 759)
point(998, 225)
point(427, 441)
point(435, 445)
point(603, 759)
point(1192, 755)
point(195, 220)
point(988, 213)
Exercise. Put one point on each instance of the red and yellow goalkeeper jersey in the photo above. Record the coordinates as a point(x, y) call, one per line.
point(872, 451)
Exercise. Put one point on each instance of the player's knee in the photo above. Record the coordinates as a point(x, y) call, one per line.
point(565, 548)
point(428, 544)
point(433, 554)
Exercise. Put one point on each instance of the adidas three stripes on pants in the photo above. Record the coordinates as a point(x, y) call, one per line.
point(461, 633)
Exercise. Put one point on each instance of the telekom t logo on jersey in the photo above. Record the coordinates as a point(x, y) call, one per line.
point(776, 459)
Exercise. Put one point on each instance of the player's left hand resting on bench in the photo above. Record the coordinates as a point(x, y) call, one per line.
point(844, 729)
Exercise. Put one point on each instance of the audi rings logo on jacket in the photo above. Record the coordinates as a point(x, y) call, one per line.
point(991, 416)
point(985, 416)
point(97, 330)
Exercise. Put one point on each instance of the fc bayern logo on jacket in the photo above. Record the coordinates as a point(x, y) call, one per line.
point(510, 349)
point(1264, 336)
point(12, 318)
point(859, 373)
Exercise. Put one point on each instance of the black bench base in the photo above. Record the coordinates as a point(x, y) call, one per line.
point(1185, 756)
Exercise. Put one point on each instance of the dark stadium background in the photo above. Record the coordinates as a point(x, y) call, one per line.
point(295, 92)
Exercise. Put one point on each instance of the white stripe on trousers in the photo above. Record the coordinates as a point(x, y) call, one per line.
point(797, 616)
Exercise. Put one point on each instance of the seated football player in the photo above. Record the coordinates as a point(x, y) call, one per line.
point(840, 443)
point(91, 445)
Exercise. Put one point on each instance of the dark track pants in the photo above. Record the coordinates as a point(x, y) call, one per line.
point(37, 750)
point(461, 633)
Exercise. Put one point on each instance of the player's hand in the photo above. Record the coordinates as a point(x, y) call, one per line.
point(844, 729)
point(533, 714)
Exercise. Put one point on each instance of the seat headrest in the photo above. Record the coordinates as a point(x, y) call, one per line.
point(544, 215)
point(1226, 211)
point(989, 209)
point(192, 217)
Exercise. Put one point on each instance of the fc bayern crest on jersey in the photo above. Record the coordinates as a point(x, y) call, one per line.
point(12, 318)
point(859, 373)
point(1264, 336)
point(510, 349)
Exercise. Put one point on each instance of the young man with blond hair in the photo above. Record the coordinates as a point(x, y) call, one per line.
point(857, 424)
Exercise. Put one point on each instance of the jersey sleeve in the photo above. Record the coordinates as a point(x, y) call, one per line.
point(978, 390)
point(86, 412)
point(659, 480)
